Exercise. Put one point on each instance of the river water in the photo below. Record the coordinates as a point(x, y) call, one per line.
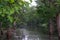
point(24, 34)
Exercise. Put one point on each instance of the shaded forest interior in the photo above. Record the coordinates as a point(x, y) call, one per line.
point(43, 18)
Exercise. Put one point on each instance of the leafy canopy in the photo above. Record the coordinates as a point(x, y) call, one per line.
point(9, 7)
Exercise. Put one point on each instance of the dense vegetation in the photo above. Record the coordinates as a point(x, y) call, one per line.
point(44, 18)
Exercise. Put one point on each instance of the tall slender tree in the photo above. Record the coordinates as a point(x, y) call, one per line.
point(51, 29)
point(58, 25)
point(47, 10)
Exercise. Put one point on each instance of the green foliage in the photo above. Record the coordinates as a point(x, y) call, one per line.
point(8, 8)
point(30, 0)
point(47, 10)
point(58, 2)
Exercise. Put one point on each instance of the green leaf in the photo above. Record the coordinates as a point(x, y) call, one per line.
point(30, 0)
point(3, 15)
point(11, 1)
point(11, 11)
point(0, 11)
point(10, 19)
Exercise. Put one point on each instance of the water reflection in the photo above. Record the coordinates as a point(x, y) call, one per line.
point(31, 37)
point(26, 38)
point(23, 34)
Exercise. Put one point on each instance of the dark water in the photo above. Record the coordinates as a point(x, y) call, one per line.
point(23, 34)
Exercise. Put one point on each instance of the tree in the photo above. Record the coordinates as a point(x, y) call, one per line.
point(47, 10)
point(8, 8)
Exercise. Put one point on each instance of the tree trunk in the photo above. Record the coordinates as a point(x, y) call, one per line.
point(51, 29)
point(58, 25)
point(1, 31)
point(9, 34)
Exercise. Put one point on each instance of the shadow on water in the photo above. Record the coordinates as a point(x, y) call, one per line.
point(24, 34)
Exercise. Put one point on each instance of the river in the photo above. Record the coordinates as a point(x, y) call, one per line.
point(24, 34)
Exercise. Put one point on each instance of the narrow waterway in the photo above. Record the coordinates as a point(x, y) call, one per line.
point(24, 34)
